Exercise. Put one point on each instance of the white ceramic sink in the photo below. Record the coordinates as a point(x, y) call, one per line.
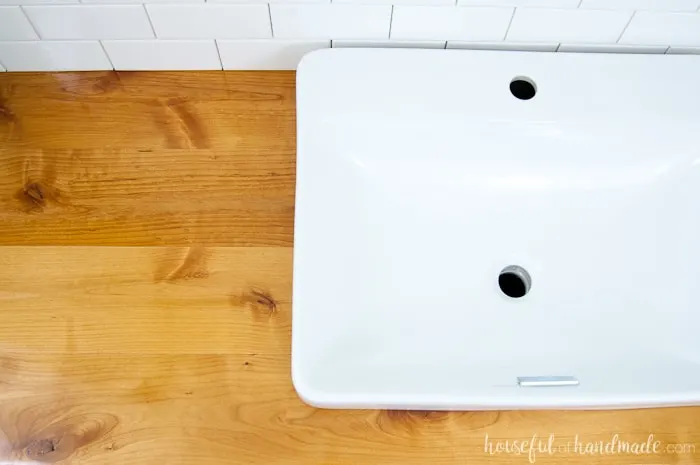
point(421, 177)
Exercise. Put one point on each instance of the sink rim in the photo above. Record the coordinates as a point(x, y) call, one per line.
point(331, 63)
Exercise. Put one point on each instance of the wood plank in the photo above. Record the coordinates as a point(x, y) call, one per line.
point(145, 300)
point(193, 110)
point(147, 159)
point(127, 197)
point(218, 409)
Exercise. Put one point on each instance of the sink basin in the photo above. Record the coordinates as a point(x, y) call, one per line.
point(490, 230)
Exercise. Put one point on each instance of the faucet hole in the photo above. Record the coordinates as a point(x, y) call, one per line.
point(523, 88)
point(514, 281)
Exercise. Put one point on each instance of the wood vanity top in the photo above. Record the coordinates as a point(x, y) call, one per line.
point(146, 225)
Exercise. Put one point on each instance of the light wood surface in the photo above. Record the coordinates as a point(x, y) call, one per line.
point(147, 159)
point(145, 293)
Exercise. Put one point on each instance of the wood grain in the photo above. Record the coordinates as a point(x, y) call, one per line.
point(147, 159)
point(229, 111)
point(145, 293)
point(145, 300)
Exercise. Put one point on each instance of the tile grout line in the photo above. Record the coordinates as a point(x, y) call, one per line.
point(102, 46)
point(36, 31)
point(269, 15)
point(624, 29)
point(512, 16)
point(150, 22)
point(218, 53)
point(391, 21)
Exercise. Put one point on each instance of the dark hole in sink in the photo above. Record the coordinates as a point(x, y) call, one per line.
point(523, 88)
point(514, 281)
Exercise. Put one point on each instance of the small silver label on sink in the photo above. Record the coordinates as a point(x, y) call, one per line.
point(545, 381)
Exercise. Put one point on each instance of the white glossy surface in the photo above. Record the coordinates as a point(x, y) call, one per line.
point(658, 5)
point(617, 48)
point(451, 23)
point(330, 21)
point(662, 28)
point(523, 3)
point(210, 21)
point(159, 55)
point(37, 2)
point(54, 55)
point(14, 24)
point(419, 179)
point(271, 54)
point(507, 46)
point(438, 44)
point(88, 22)
point(684, 51)
point(567, 25)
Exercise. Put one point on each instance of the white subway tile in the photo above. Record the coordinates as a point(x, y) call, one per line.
point(138, 2)
point(272, 1)
point(332, 21)
point(657, 28)
point(14, 25)
point(523, 3)
point(613, 48)
point(266, 54)
point(662, 5)
point(434, 44)
point(90, 21)
point(37, 2)
point(53, 56)
point(683, 51)
point(210, 21)
point(570, 26)
point(450, 23)
point(505, 46)
point(397, 2)
point(149, 55)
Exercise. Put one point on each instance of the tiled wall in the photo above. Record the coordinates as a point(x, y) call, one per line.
point(274, 34)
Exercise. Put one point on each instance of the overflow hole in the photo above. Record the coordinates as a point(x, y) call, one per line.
point(514, 281)
point(523, 88)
